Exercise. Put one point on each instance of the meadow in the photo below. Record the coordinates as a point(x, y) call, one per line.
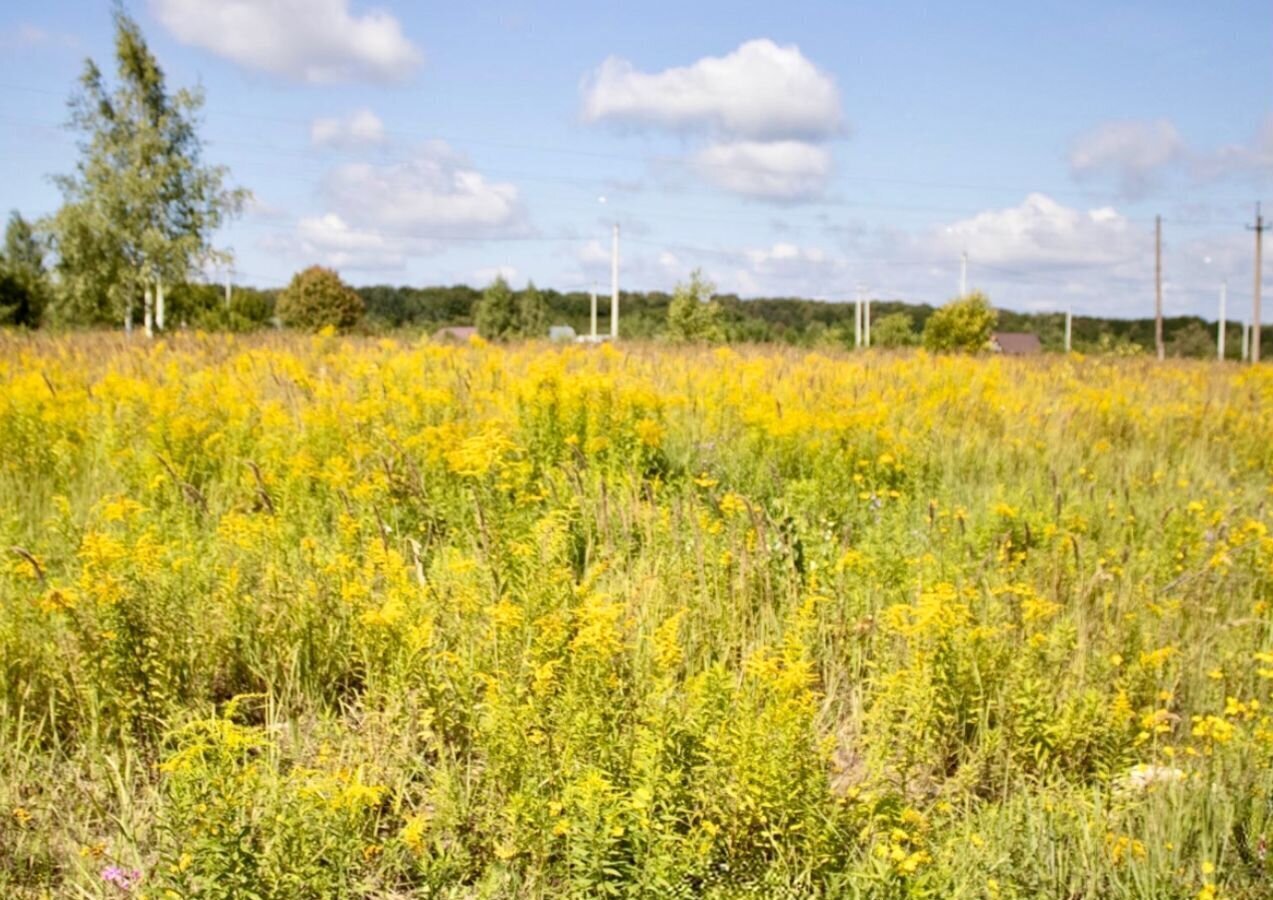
point(327, 617)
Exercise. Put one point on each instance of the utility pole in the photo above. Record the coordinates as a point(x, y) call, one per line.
point(866, 321)
point(857, 318)
point(1069, 318)
point(614, 285)
point(1224, 290)
point(1158, 287)
point(963, 274)
point(593, 332)
point(1256, 320)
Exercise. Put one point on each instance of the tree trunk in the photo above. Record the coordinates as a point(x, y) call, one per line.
point(159, 304)
point(148, 311)
point(128, 317)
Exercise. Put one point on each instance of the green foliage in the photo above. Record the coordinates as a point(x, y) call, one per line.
point(532, 313)
point(141, 207)
point(693, 316)
point(1194, 340)
point(497, 315)
point(24, 284)
point(894, 330)
point(317, 298)
point(961, 326)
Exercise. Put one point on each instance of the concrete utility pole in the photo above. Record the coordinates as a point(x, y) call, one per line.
point(1158, 287)
point(593, 331)
point(1256, 320)
point(963, 274)
point(857, 318)
point(1224, 290)
point(614, 285)
point(1069, 318)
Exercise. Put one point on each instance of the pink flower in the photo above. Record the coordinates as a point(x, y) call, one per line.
point(124, 879)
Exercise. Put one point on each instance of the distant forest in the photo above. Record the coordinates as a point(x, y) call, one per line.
point(789, 320)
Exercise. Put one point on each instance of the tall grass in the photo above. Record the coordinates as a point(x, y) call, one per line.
point(290, 617)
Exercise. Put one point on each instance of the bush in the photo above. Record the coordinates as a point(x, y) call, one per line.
point(693, 315)
point(496, 316)
point(317, 298)
point(961, 326)
point(894, 330)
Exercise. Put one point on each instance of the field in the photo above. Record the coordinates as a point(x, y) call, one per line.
point(317, 617)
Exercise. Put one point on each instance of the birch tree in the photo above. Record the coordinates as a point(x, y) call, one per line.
point(140, 209)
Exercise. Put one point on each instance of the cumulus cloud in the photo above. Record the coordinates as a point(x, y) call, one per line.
point(378, 216)
point(763, 109)
point(435, 192)
point(330, 240)
point(776, 170)
point(760, 91)
point(1134, 152)
point(313, 41)
point(362, 128)
point(1040, 232)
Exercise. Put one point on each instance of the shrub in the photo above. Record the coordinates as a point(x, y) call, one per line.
point(894, 330)
point(497, 314)
point(961, 326)
point(693, 315)
point(317, 298)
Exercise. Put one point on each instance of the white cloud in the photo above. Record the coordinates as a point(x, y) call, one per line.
point(1255, 158)
point(434, 194)
point(1040, 231)
point(331, 241)
point(592, 255)
point(1141, 154)
point(314, 41)
point(775, 170)
point(1135, 152)
point(761, 90)
point(380, 216)
point(362, 128)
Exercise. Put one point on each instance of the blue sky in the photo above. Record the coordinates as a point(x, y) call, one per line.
point(786, 148)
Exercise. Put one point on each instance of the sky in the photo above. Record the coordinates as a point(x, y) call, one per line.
point(786, 149)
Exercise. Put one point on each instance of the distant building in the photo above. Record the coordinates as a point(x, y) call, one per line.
point(459, 334)
point(1015, 343)
point(561, 333)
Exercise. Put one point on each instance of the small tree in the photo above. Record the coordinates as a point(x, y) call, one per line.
point(497, 314)
point(961, 326)
point(532, 313)
point(1194, 340)
point(24, 284)
point(894, 330)
point(693, 315)
point(140, 210)
point(316, 298)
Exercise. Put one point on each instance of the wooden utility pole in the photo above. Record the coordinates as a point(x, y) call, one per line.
point(1256, 321)
point(1158, 286)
